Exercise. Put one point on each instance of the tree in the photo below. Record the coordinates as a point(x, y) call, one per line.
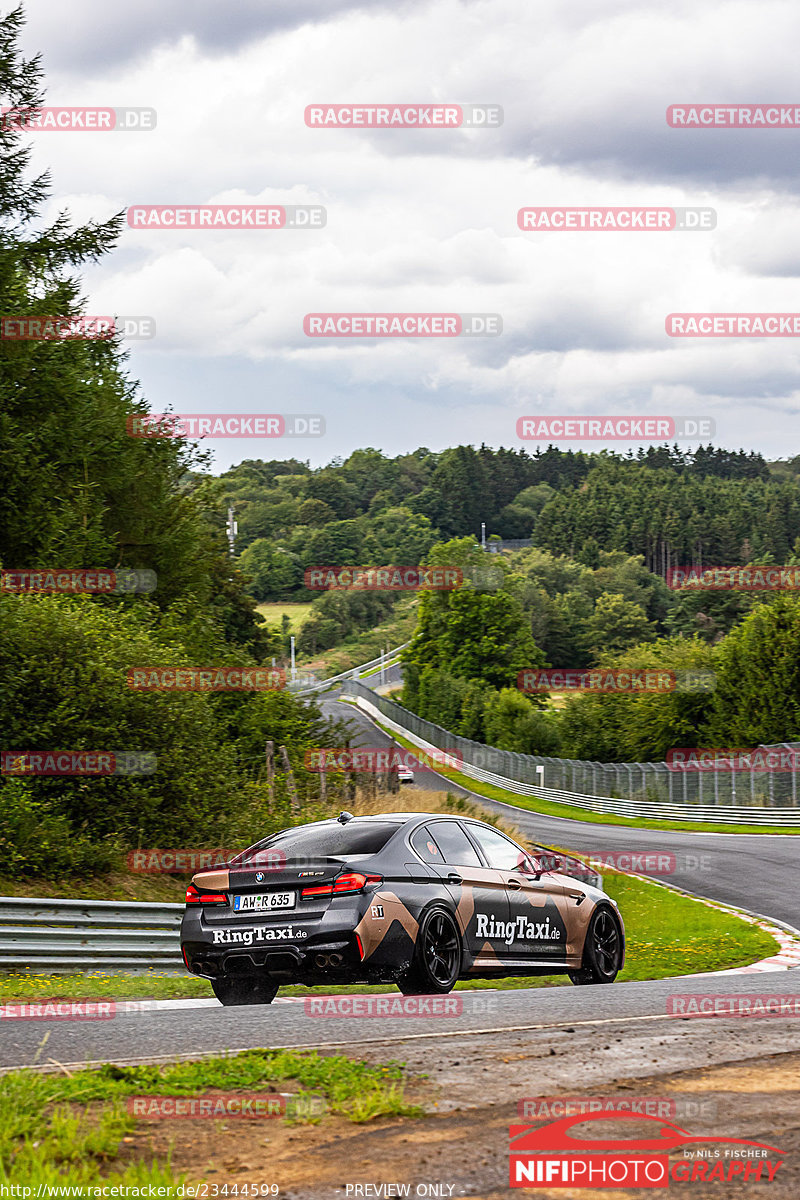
point(476, 636)
point(77, 489)
point(616, 624)
point(512, 723)
point(339, 495)
point(399, 536)
point(315, 512)
point(340, 543)
point(274, 574)
point(757, 697)
point(642, 726)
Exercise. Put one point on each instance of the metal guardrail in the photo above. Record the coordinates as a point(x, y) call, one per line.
point(353, 673)
point(526, 775)
point(39, 935)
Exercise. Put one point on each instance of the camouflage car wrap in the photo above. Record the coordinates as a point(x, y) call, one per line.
point(344, 901)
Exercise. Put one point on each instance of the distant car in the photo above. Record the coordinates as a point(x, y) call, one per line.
point(405, 775)
point(412, 899)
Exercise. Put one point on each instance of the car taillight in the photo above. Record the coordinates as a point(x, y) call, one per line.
point(193, 896)
point(310, 893)
point(354, 881)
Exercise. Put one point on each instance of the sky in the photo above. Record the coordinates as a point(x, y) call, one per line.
point(425, 220)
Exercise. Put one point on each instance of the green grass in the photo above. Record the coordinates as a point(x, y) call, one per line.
point(118, 885)
point(667, 934)
point(363, 647)
point(549, 808)
point(296, 611)
point(68, 1129)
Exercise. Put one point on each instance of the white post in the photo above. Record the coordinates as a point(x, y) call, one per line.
point(232, 528)
point(293, 668)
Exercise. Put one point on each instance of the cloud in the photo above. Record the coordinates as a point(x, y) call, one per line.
point(425, 220)
point(85, 35)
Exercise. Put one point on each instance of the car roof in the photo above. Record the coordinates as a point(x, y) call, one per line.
point(397, 818)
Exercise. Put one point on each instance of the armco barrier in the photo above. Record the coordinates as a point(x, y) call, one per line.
point(88, 935)
point(388, 660)
point(646, 783)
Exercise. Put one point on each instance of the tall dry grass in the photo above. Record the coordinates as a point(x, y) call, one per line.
point(415, 800)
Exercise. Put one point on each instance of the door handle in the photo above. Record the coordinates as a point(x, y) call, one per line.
point(453, 878)
point(514, 884)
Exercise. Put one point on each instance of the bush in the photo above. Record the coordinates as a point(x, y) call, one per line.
point(35, 841)
point(64, 663)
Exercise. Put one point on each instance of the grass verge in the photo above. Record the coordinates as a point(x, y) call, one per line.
point(548, 808)
point(74, 1128)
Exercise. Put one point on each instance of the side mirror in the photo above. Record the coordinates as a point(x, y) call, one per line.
point(533, 867)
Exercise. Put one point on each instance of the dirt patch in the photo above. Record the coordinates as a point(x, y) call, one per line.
point(463, 1152)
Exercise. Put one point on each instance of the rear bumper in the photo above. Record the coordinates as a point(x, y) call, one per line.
point(289, 962)
point(323, 948)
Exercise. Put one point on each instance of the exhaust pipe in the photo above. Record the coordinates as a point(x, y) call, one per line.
point(327, 960)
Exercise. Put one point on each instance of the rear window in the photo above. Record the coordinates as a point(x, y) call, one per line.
point(333, 840)
point(454, 844)
point(425, 846)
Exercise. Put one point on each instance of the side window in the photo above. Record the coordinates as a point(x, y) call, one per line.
point(500, 853)
point(455, 845)
point(425, 846)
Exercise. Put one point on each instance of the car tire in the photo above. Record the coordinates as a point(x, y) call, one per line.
point(602, 950)
point(244, 989)
point(436, 964)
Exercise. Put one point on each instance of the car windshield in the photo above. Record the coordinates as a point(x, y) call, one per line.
point(325, 841)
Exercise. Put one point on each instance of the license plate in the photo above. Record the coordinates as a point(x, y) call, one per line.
point(265, 902)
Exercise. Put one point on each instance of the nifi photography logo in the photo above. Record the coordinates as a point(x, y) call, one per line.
point(655, 1154)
